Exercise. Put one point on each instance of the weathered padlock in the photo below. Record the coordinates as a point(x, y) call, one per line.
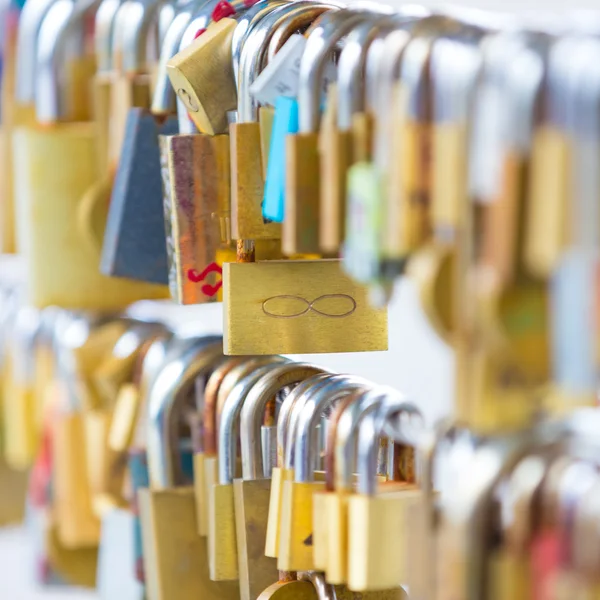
point(301, 225)
point(163, 541)
point(301, 304)
point(252, 491)
point(370, 514)
point(222, 542)
point(295, 544)
point(53, 243)
point(308, 586)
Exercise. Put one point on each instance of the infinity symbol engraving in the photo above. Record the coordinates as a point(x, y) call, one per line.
point(286, 306)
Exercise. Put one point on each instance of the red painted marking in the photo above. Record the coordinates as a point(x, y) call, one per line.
point(222, 9)
point(207, 288)
point(199, 32)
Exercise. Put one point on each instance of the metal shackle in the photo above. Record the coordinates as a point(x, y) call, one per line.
point(254, 408)
point(305, 442)
point(166, 398)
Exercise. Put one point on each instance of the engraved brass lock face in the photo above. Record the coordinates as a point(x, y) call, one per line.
point(279, 296)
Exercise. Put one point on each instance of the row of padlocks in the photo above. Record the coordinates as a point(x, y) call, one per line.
point(292, 160)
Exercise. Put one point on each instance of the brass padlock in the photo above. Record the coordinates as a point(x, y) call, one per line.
point(18, 103)
point(222, 542)
point(295, 543)
point(247, 169)
point(53, 191)
point(207, 87)
point(284, 470)
point(208, 447)
point(252, 491)
point(166, 545)
point(300, 232)
point(301, 304)
point(369, 566)
point(337, 143)
point(212, 418)
point(336, 508)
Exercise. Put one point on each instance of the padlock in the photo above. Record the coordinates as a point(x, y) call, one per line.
point(196, 184)
point(246, 167)
point(574, 355)
point(216, 397)
point(18, 85)
point(130, 81)
point(283, 471)
point(53, 192)
point(103, 29)
point(248, 177)
point(277, 299)
point(21, 416)
point(207, 87)
point(275, 85)
point(252, 491)
point(377, 523)
point(166, 543)
point(336, 503)
point(133, 245)
point(209, 439)
point(222, 543)
point(337, 154)
point(295, 536)
point(301, 225)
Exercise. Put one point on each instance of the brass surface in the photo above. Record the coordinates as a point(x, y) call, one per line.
point(289, 307)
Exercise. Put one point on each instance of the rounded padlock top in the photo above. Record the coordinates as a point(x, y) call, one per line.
point(352, 67)
point(211, 392)
point(453, 79)
point(60, 24)
point(229, 424)
point(30, 21)
point(131, 30)
point(289, 405)
point(372, 427)
point(246, 22)
point(306, 440)
point(286, 434)
point(348, 427)
point(327, 31)
point(253, 55)
point(166, 400)
point(103, 28)
point(164, 96)
point(254, 407)
point(294, 22)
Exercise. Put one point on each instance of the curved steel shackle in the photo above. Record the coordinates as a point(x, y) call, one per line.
point(165, 397)
point(347, 432)
point(370, 430)
point(229, 423)
point(331, 28)
point(305, 442)
point(286, 434)
point(254, 408)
